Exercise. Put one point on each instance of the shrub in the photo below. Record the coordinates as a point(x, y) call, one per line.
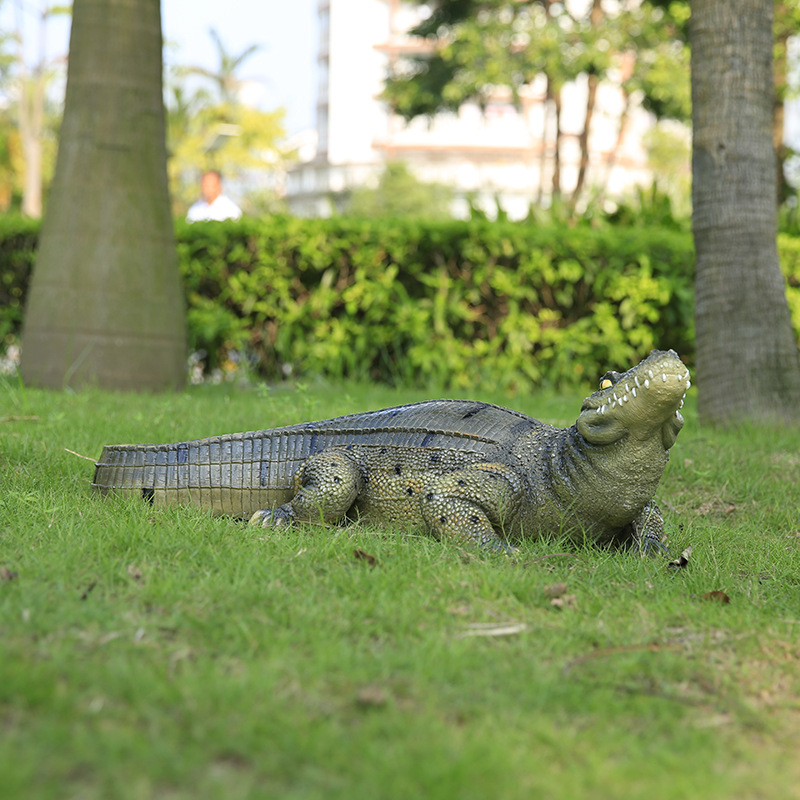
point(419, 302)
point(18, 238)
point(450, 303)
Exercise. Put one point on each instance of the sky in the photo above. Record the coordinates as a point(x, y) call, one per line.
point(282, 71)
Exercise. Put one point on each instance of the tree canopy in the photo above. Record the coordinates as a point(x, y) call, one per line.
point(472, 47)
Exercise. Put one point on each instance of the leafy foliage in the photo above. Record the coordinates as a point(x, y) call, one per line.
point(469, 49)
point(214, 129)
point(418, 302)
point(482, 44)
point(231, 138)
point(451, 303)
point(30, 116)
point(400, 194)
point(18, 241)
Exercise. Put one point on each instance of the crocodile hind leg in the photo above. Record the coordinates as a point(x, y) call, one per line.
point(471, 505)
point(326, 485)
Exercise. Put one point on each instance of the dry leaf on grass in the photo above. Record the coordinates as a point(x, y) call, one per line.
point(7, 575)
point(360, 555)
point(372, 696)
point(682, 561)
point(135, 573)
point(717, 596)
point(88, 590)
point(557, 593)
point(565, 601)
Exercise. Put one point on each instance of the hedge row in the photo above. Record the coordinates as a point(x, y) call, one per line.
point(18, 239)
point(452, 303)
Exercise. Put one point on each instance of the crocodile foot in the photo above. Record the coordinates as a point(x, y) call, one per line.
point(280, 517)
point(647, 532)
point(653, 545)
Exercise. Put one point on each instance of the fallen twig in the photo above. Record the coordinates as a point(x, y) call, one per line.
point(612, 651)
point(494, 629)
point(88, 458)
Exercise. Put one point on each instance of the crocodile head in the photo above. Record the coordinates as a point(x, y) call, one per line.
point(639, 404)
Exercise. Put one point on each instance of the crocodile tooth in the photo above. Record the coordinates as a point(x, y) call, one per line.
point(681, 405)
point(646, 383)
point(627, 387)
point(650, 373)
point(688, 384)
point(633, 392)
point(636, 380)
point(664, 377)
point(602, 409)
point(624, 398)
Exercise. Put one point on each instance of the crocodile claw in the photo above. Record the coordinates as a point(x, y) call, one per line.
point(272, 517)
point(652, 545)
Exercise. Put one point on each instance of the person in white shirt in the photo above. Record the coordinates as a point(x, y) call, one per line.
point(214, 205)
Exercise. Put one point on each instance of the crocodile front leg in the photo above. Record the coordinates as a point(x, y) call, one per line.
point(326, 485)
point(471, 505)
point(647, 531)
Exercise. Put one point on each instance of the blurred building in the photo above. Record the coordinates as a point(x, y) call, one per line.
point(499, 155)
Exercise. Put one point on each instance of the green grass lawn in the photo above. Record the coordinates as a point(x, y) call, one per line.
point(167, 654)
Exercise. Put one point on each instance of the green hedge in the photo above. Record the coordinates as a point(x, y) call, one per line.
point(18, 239)
point(452, 303)
point(449, 303)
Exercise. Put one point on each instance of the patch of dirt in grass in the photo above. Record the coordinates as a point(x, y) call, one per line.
point(716, 506)
point(788, 465)
point(771, 679)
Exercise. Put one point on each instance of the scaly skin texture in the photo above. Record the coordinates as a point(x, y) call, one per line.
point(469, 471)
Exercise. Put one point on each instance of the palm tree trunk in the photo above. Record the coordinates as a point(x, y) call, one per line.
point(783, 29)
point(747, 358)
point(105, 304)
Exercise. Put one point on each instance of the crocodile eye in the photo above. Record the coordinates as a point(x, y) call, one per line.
point(609, 379)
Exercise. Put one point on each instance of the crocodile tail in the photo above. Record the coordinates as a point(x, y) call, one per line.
point(219, 475)
point(133, 469)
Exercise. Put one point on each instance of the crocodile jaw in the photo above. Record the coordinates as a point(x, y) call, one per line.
point(638, 403)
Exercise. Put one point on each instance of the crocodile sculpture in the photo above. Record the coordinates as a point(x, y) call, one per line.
point(465, 470)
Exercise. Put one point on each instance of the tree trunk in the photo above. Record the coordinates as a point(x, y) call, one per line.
point(780, 71)
point(105, 305)
point(611, 162)
point(747, 358)
point(556, 183)
point(31, 125)
point(583, 138)
point(31, 119)
point(593, 81)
